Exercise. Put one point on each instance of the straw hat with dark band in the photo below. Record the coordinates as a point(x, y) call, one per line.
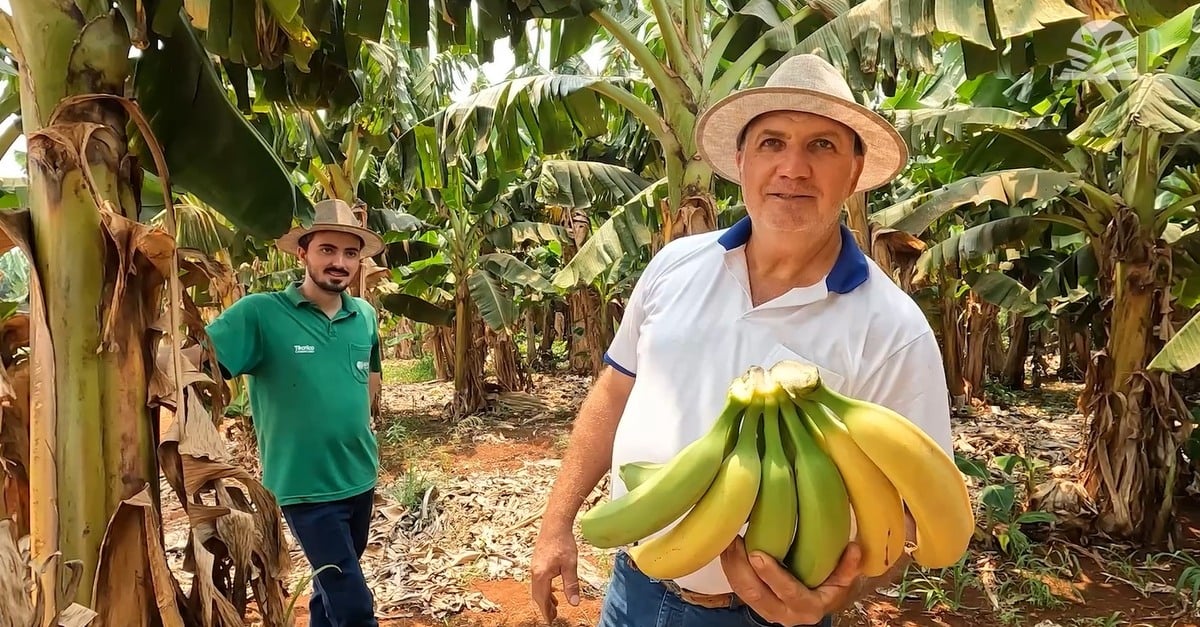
point(333, 215)
point(807, 83)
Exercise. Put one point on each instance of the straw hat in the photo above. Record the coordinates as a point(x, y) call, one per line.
point(333, 215)
point(805, 82)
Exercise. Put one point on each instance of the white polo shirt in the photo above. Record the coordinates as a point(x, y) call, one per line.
point(690, 328)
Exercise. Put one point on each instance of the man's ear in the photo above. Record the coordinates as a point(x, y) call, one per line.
point(856, 170)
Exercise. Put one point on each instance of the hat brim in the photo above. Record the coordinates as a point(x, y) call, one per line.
point(290, 242)
point(718, 128)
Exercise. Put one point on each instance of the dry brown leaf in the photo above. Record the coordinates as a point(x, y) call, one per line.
point(16, 590)
point(14, 447)
point(196, 462)
point(76, 616)
point(137, 245)
point(43, 416)
point(131, 552)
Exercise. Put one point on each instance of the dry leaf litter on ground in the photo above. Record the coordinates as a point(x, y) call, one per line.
point(482, 525)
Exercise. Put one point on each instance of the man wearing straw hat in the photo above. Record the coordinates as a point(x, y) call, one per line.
point(786, 282)
point(312, 356)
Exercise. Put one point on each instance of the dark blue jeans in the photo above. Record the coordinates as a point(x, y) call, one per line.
point(336, 533)
point(635, 600)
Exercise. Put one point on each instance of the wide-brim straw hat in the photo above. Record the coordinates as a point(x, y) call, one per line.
point(332, 215)
point(807, 83)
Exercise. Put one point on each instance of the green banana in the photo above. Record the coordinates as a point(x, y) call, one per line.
point(674, 489)
point(874, 500)
point(714, 522)
point(823, 525)
point(923, 473)
point(773, 520)
point(634, 474)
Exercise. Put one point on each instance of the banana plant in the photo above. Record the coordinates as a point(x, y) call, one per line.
point(689, 58)
point(95, 313)
point(1132, 135)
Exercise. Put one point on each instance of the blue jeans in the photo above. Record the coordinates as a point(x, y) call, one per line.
point(635, 600)
point(336, 533)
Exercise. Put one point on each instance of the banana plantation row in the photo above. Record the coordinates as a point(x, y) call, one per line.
point(1046, 222)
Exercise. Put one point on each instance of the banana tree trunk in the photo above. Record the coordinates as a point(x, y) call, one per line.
point(693, 208)
point(995, 348)
point(952, 341)
point(439, 342)
point(406, 348)
point(981, 321)
point(548, 329)
point(1131, 463)
point(91, 437)
point(511, 374)
point(469, 352)
point(583, 342)
point(1013, 376)
point(1069, 366)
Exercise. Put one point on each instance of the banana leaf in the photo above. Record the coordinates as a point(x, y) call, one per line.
point(513, 271)
point(1006, 292)
point(962, 248)
point(511, 236)
point(877, 38)
point(496, 304)
point(587, 184)
point(1182, 352)
point(1009, 187)
point(623, 234)
point(210, 149)
point(417, 309)
point(1163, 103)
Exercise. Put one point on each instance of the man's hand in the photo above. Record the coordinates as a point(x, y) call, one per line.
point(777, 596)
point(554, 555)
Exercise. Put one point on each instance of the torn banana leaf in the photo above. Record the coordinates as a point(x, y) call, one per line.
point(211, 150)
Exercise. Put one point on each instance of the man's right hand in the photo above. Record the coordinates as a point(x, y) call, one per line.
point(555, 554)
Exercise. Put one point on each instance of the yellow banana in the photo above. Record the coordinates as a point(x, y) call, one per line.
point(878, 511)
point(717, 517)
point(823, 525)
point(926, 477)
point(773, 519)
point(634, 474)
point(670, 492)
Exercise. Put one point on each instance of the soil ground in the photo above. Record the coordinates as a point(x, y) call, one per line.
point(1059, 579)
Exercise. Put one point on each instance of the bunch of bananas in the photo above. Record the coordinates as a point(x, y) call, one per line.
point(799, 465)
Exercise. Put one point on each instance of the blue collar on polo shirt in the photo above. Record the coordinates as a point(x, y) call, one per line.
point(849, 271)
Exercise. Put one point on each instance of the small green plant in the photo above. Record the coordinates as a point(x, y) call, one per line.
point(999, 394)
point(944, 586)
point(395, 434)
point(1002, 518)
point(289, 613)
point(1188, 583)
point(410, 489)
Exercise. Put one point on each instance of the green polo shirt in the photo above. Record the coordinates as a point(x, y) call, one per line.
point(307, 377)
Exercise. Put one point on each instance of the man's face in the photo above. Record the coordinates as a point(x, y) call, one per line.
point(797, 169)
point(332, 259)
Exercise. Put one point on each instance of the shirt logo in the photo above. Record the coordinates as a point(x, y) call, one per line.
point(361, 365)
point(305, 349)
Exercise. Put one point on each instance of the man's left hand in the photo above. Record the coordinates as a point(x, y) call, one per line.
point(778, 596)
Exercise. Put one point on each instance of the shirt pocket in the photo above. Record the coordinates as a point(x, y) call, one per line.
point(831, 378)
point(360, 361)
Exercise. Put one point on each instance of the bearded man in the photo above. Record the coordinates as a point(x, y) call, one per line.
point(312, 356)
